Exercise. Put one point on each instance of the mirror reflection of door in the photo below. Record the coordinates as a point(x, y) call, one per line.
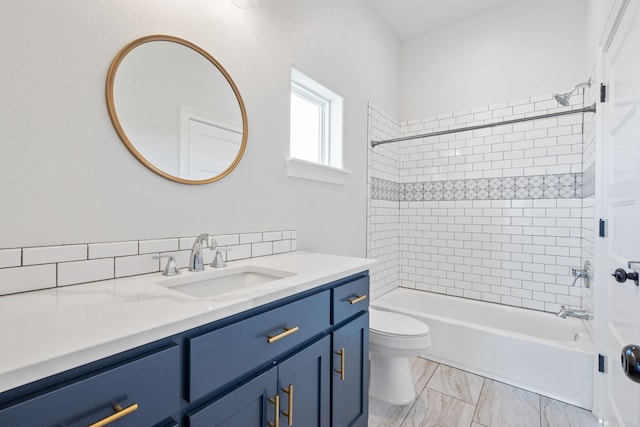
point(208, 144)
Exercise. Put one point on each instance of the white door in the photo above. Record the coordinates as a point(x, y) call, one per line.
point(212, 149)
point(208, 144)
point(621, 206)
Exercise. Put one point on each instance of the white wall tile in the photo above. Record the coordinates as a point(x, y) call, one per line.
point(112, 249)
point(10, 258)
point(271, 236)
point(281, 246)
point(23, 279)
point(137, 264)
point(227, 239)
point(158, 245)
point(239, 252)
point(70, 273)
point(52, 254)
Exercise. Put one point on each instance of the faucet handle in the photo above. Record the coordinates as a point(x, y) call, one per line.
point(171, 269)
point(218, 260)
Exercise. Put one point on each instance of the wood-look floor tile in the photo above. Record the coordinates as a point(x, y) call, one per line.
point(560, 414)
point(434, 409)
point(383, 414)
point(456, 383)
point(502, 405)
point(422, 371)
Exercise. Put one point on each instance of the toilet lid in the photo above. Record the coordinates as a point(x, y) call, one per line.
point(394, 324)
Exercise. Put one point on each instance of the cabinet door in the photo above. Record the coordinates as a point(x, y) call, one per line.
point(250, 405)
point(303, 386)
point(139, 393)
point(350, 374)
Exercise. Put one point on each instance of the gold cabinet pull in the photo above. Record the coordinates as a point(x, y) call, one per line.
point(276, 403)
point(341, 370)
point(357, 299)
point(289, 414)
point(120, 412)
point(287, 331)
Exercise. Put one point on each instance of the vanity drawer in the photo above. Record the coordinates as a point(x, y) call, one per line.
point(147, 390)
point(220, 356)
point(349, 299)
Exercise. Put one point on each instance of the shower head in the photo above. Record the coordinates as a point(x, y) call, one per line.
point(563, 98)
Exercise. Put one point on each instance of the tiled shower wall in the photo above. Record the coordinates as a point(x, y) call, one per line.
point(383, 209)
point(492, 214)
point(33, 268)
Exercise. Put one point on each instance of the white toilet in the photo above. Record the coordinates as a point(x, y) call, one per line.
point(393, 339)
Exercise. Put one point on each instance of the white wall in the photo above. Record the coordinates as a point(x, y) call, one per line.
point(525, 47)
point(65, 177)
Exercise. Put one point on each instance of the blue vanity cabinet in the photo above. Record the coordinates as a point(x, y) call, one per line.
point(350, 373)
point(219, 357)
point(305, 356)
point(252, 404)
point(142, 392)
point(350, 348)
point(293, 393)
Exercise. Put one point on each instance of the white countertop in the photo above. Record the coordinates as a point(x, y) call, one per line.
point(50, 331)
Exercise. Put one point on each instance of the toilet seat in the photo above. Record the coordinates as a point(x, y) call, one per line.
point(391, 324)
point(391, 332)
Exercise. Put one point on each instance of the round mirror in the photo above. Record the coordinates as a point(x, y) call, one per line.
point(176, 109)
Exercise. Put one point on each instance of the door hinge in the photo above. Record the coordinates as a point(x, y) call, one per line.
point(601, 363)
point(603, 92)
point(601, 228)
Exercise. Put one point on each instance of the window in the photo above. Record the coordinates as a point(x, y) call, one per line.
point(316, 127)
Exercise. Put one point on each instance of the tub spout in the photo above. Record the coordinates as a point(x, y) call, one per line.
point(565, 312)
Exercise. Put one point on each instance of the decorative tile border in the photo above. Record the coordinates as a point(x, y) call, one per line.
point(34, 268)
point(561, 186)
point(382, 189)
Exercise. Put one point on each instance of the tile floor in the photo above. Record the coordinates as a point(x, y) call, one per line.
point(449, 397)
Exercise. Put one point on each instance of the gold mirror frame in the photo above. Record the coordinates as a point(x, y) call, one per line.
point(111, 76)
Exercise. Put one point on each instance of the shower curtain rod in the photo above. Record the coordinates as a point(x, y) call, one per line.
point(590, 109)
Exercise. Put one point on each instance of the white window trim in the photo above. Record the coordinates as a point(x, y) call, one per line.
point(304, 169)
point(333, 129)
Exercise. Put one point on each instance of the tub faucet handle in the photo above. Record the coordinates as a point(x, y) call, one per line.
point(582, 273)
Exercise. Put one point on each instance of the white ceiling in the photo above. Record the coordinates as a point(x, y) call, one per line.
point(409, 18)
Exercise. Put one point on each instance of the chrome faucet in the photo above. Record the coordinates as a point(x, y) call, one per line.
point(196, 262)
point(580, 314)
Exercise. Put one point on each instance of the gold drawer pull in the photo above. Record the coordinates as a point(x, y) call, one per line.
point(120, 412)
point(357, 299)
point(276, 403)
point(287, 331)
point(289, 414)
point(341, 370)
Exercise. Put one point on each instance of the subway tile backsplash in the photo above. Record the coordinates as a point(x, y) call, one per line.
point(33, 268)
point(497, 214)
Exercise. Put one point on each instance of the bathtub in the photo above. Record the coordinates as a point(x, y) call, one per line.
point(528, 349)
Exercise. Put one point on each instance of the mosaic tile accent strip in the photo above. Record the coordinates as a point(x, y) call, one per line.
point(561, 186)
point(382, 189)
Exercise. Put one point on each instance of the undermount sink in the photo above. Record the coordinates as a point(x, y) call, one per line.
point(210, 283)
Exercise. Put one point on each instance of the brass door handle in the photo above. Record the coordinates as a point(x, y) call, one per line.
point(357, 299)
point(120, 412)
point(276, 403)
point(287, 331)
point(341, 370)
point(289, 413)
